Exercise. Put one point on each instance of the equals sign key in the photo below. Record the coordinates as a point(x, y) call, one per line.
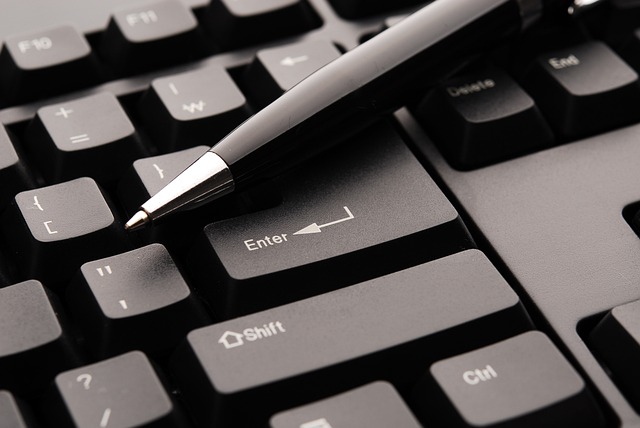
point(79, 138)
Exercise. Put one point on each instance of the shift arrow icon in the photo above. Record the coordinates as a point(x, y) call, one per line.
point(315, 228)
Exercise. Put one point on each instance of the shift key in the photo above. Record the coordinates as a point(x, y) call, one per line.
point(388, 328)
point(360, 211)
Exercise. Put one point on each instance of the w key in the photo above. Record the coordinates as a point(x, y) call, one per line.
point(197, 107)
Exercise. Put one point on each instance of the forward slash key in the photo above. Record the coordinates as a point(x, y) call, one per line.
point(105, 418)
point(126, 384)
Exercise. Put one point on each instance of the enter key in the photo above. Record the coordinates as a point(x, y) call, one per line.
point(362, 210)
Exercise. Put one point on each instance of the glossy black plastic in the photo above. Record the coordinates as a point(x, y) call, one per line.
point(365, 83)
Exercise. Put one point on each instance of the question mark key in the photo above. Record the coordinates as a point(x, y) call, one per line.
point(119, 392)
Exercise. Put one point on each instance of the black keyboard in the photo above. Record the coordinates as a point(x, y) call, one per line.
point(471, 260)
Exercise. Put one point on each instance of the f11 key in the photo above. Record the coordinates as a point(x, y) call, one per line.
point(148, 35)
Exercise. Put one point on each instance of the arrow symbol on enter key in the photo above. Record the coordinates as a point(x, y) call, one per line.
point(315, 228)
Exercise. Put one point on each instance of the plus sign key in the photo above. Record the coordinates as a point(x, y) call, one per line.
point(53, 230)
point(45, 63)
point(150, 35)
point(90, 136)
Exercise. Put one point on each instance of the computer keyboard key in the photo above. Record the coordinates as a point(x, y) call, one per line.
point(34, 345)
point(483, 116)
point(629, 49)
point(87, 16)
point(387, 328)
point(121, 301)
point(151, 174)
point(238, 23)
point(374, 211)
point(621, 19)
point(365, 8)
point(147, 176)
point(42, 63)
point(53, 230)
point(5, 271)
point(616, 340)
point(149, 35)
point(584, 89)
point(276, 70)
point(523, 381)
point(197, 107)
point(376, 405)
point(14, 175)
point(121, 392)
point(90, 136)
point(13, 413)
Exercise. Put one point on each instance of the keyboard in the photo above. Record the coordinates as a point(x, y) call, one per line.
point(470, 260)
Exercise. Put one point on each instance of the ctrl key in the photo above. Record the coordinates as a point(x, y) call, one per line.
point(520, 382)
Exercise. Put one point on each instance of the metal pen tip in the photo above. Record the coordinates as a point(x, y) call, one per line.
point(138, 220)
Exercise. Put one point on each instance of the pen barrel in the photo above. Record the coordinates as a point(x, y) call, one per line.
point(374, 79)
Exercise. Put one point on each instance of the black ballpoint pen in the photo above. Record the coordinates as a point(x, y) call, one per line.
point(348, 93)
